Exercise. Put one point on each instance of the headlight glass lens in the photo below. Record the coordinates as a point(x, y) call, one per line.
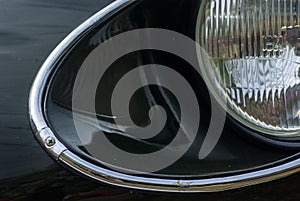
point(254, 46)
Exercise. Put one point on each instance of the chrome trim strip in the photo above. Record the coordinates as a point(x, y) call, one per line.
point(177, 185)
point(59, 152)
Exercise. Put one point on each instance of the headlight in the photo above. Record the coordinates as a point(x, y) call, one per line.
point(255, 53)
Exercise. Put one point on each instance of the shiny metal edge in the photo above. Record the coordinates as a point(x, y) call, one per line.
point(48, 140)
point(177, 185)
point(58, 151)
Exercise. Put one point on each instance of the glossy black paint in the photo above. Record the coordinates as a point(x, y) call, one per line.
point(29, 30)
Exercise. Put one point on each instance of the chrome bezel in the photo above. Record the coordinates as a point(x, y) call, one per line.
point(60, 152)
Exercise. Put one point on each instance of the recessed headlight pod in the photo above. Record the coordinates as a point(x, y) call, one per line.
point(121, 99)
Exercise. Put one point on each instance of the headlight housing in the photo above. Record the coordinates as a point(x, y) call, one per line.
point(236, 161)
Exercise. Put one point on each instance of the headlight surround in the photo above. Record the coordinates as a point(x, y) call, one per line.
point(235, 162)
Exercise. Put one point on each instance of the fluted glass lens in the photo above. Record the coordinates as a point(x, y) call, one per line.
point(255, 48)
